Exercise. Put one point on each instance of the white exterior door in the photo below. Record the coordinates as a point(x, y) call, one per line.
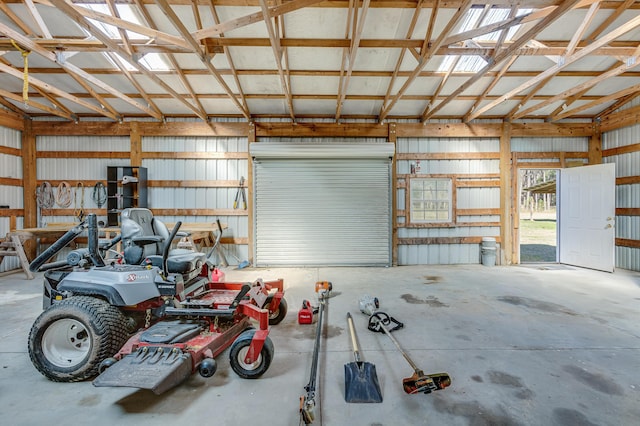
point(587, 216)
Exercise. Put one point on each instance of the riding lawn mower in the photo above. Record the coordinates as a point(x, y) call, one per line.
point(150, 317)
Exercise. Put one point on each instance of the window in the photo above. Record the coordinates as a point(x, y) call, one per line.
point(431, 200)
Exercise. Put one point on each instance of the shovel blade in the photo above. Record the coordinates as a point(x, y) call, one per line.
point(361, 383)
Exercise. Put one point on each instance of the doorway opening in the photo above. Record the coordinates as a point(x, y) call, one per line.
point(538, 227)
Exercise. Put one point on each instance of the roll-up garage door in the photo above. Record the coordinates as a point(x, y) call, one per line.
point(322, 204)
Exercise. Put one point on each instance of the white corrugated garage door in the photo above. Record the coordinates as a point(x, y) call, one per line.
point(322, 204)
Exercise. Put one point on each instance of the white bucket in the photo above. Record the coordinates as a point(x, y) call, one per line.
point(488, 256)
point(488, 242)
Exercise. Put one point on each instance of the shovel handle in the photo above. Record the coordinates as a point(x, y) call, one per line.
point(354, 339)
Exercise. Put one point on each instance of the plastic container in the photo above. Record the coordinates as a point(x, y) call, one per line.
point(488, 256)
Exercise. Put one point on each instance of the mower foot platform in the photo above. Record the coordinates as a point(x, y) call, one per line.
point(155, 368)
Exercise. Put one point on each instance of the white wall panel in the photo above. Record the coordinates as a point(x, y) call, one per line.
point(572, 144)
point(627, 196)
point(12, 196)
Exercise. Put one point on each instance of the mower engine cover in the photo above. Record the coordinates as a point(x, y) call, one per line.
point(121, 285)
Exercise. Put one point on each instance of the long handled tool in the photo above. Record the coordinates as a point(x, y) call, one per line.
point(308, 401)
point(360, 378)
point(418, 382)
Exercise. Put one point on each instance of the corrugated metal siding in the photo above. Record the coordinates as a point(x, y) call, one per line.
point(312, 212)
point(574, 144)
point(627, 196)
point(12, 196)
point(199, 169)
point(73, 170)
point(466, 198)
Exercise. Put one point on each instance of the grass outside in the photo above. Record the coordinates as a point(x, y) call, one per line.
point(538, 238)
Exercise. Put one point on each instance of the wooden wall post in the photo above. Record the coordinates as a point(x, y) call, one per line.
point(29, 174)
point(595, 145)
point(136, 145)
point(394, 197)
point(251, 138)
point(506, 191)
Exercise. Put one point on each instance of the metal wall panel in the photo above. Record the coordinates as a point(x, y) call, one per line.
point(466, 198)
point(199, 169)
point(573, 144)
point(627, 196)
point(322, 212)
point(12, 196)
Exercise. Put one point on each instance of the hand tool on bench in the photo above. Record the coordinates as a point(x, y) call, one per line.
point(360, 378)
point(418, 382)
point(308, 401)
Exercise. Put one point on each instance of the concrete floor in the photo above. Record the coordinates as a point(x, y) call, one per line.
point(536, 345)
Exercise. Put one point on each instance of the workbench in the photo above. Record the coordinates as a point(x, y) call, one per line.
point(201, 236)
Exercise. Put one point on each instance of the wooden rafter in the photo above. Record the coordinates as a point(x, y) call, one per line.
point(277, 53)
point(253, 18)
point(412, 25)
point(425, 57)
point(31, 7)
point(602, 100)
point(49, 88)
point(72, 11)
point(15, 18)
point(571, 47)
point(632, 63)
point(613, 108)
point(33, 104)
point(530, 34)
point(356, 25)
point(234, 73)
point(70, 68)
point(198, 50)
point(172, 59)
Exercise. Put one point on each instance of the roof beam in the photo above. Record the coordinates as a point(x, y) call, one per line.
point(216, 19)
point(613, 108)
point(631, 63)
point(197, 49)
point(277, 53)
point(602, 100)
point(75, 14)
point(15, 18)
point(37, 18)
point(49, 88)
point(504, 54)
point(412, 26)
point(253, 18)
point(70, 68)
point(357, 25)
point(33, 104)
point(426, 56)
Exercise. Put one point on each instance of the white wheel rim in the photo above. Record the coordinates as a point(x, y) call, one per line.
point(242, 354)
point(66, 343)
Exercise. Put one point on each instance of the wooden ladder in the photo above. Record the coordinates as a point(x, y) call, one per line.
point(12, 246)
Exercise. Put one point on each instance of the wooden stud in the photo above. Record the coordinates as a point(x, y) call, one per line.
point(595, 145)
point(506, 190)
point(136, 145)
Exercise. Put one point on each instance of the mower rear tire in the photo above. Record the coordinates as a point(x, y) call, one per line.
point(276, 317)
point(239, 351)
point(69, 340)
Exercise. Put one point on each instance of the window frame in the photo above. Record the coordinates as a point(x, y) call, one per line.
point(450, 222)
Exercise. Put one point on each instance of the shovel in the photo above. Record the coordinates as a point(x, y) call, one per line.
point(360, 378)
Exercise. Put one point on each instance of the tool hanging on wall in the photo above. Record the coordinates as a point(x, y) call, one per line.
point(63, 195)
point(308, 401)
point(99, 194)
point(44, 200)
point(78, 212)
point(240, 194)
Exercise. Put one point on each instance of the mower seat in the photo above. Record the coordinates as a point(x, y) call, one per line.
point(143, 240)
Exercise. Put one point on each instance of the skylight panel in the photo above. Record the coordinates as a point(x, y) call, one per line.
point(151, 61)
point(474, 63)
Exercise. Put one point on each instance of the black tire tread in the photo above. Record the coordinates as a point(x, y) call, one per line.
point(106, 322)
point(266, 353)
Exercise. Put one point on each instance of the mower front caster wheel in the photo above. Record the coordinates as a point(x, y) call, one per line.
point(239, 351)
point(276, 317)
